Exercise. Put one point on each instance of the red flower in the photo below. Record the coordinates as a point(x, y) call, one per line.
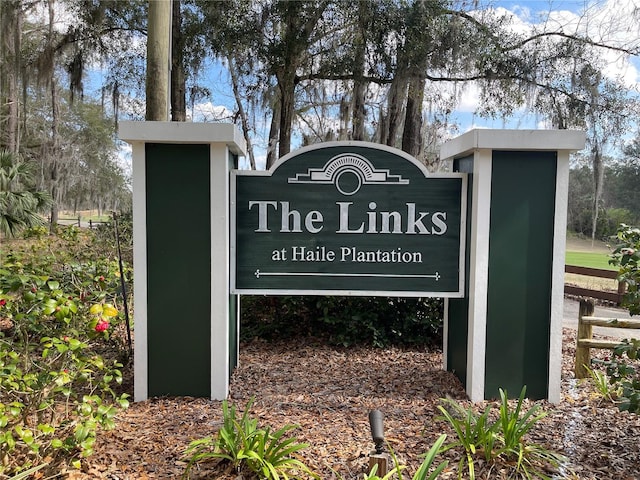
point(3, 302)
point(102, 325)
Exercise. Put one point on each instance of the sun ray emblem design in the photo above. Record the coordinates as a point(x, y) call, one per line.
point(348, 172)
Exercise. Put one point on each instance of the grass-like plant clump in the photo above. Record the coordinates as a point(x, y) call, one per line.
point(266, 453)
point(498, 441)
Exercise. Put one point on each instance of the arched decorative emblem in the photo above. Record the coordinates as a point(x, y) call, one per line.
point(348, 172)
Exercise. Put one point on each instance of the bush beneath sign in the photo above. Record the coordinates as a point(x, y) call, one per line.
point(377, 321)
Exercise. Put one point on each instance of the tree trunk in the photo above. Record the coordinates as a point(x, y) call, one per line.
point(359, 84)
point(52, 152)
point(598, 179)
point(158, 42)
point(298, 27)
point(286, 84)
point(395, 102)
point(241, 112)
point(11, 17)
point(178, 100)
point(412, 133)
point(274, 131)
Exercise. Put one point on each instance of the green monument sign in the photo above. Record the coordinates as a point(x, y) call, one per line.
point(348, 218)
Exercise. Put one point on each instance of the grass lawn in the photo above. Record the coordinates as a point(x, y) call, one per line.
point(589, 259)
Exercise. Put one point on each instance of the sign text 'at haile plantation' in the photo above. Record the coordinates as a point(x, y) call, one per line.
point(348, 218)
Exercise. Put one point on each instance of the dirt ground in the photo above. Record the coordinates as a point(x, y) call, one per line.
point(328, 391)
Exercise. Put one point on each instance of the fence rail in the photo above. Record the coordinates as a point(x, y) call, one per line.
point(585, 341)
point(614, 297)
point(80, 222)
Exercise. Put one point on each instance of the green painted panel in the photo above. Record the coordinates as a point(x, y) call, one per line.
point(458, 331)
point(178, 269)
point(348, 218)
point(520, 271)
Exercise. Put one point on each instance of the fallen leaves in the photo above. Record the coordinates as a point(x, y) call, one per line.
point(328, 391)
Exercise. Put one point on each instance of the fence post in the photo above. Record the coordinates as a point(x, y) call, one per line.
point(583, 354)
point(622, 289)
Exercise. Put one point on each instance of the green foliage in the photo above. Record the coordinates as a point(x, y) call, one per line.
point(56, 389)
point(105, 235)
point(476, 434)
point(502, 440)
point(624, 378)
point(426, 471)
point(626, 257)
point(20, 202)
point(601, 383)
point(239, 441)
point(620, 202)
point(377, 321)
point(37, 231)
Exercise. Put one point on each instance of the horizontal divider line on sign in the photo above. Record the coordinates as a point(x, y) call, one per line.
point(259, 274)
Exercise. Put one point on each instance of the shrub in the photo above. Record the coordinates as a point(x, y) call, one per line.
point(623, 376)
point(377, 321)
point(57, 313)
point(626, 257)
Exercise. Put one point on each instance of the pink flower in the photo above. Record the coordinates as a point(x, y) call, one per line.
point(102, 325)
point(3, 302)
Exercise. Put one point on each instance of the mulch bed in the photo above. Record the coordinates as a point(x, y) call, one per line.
point(328, 391)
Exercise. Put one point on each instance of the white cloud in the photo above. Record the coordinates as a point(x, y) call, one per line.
point(208, 112)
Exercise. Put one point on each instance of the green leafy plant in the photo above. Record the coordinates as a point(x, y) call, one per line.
point(239, 441)
point(601, 383)
point(57, 391)
point(376, 321)
point(513, 426)
point(426, 471)
point(270, 455)
point(476, 434)
point(502, 440)
point(53, 404)
point(624, 378)
point(626, 257)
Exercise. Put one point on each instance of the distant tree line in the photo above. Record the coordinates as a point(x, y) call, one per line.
point(620, 200)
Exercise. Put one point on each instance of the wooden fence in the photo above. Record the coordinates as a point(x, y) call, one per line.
point(585, 341)
point(613, 297)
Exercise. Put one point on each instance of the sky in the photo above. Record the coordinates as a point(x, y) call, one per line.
point(608, 20)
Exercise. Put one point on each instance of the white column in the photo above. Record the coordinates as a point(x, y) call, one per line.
point(140, 358)
point(557, 273)
point(478, 274)
point(220, 246)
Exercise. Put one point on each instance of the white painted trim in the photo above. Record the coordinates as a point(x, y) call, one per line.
point(520, 140)
point(354, 143)
point(557, 276)
point(479, 274)
point(183, 132)
point(219, 197)
point(140, 357)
